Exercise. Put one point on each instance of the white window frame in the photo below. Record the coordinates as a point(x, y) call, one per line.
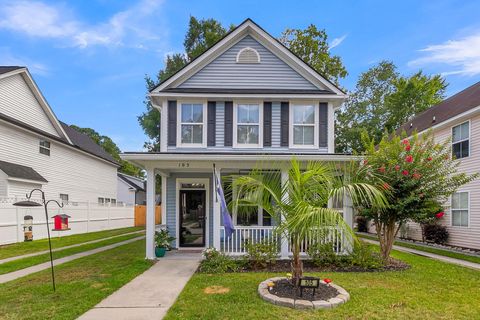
point(180, 123)
point(469, 135)
point(260, 125)
point(468, 210)
point(40, 147)
point(292, 144)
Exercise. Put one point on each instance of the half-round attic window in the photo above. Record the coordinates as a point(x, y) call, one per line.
point(248, 55)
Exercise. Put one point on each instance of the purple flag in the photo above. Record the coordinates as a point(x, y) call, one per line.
point(227, 219)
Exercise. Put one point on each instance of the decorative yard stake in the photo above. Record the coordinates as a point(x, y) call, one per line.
point(30, 203)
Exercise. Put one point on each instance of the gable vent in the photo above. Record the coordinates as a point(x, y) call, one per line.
point(248, 55)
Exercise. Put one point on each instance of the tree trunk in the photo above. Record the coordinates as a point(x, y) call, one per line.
point(297, 265)
point(388, 238)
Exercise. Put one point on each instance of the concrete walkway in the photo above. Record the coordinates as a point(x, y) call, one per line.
point(151, 294)
point(42, 266)
point(459, 262)
point(66, 247)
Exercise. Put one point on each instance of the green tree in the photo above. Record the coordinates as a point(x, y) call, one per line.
point(311, 45)
point(111, 148)
point(201, 35)
point(299, 206)
point(384, 100)
point(418, 176)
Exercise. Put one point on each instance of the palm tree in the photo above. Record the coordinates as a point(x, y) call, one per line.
point(299, 203)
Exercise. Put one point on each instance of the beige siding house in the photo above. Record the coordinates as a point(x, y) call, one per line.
point(457, 118)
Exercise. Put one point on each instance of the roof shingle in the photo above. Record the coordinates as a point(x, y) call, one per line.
point(20, 172)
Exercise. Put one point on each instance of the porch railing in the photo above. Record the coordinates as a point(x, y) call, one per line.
point(331, 235)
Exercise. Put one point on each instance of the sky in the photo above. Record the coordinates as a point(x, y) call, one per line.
point(90, 58)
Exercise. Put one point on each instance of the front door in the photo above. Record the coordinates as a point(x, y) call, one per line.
point(192, 218)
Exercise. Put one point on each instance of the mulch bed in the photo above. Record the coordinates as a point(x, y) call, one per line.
point(285, 289)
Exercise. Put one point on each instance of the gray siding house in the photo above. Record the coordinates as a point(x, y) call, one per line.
point(247, 102)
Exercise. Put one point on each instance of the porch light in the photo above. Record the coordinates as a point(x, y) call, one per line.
point(28, 204)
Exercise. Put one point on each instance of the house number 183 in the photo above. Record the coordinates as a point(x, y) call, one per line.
point(183, 164)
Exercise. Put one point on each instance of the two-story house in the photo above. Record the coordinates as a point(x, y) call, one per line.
point(458, 119)
point(247, 102)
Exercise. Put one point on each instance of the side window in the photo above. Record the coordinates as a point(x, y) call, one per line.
point(460, 209)
point(303, 126)
point(247, 125)
point(101, 200)
point(64, 198)
point(461, 140)
point(44, 147)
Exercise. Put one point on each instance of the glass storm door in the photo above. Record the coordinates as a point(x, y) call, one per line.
point(192, 218)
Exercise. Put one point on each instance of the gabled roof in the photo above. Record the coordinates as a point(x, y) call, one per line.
point(5, 69)
point(17, 171)
point(249, 27)
point(456, 105)
point(134, 182)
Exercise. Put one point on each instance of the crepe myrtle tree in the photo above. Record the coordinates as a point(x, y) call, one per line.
point(299, 204)
point(418, 174)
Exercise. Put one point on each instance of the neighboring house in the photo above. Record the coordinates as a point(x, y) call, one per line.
point(247, 102)
point(457, 118)
point(39, 151)
point(130, 190)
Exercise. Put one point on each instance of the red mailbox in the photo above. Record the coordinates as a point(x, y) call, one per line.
point(61, 222)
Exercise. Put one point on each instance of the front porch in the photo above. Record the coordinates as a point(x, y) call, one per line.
point(191, 210)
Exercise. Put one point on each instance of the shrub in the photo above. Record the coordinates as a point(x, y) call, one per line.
point(362, 224)
point(435, 233)
point(217, 262)
point(261, 254)
point(363, 256)
point(322, 254)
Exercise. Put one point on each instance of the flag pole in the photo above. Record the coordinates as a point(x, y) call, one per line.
point(215, 182)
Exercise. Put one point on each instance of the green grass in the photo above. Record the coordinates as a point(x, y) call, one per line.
point(21, 248)
point(446, 253)
point(81, 284)
point(31, 261)
point(429, 290)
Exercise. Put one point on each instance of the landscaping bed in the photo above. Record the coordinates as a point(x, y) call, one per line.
point(285, 289)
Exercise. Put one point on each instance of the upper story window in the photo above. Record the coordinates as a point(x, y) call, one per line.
point(192, 119)
point(460, 209)
point(44, 147)
point(247, 123)
point(303, 126)
point(248, 55)
point(461, 140)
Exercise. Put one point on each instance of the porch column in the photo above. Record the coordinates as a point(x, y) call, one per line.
point(216, 213)
point(284, 241)
point(150, 218)
point(164, 200)
point(348, 210)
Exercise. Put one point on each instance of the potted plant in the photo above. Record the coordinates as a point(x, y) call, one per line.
point(162, 242)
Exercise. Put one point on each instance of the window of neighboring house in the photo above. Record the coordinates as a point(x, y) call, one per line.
point(460, 209)
point(44, 147)
point(191, 123)
point(113, 201)
point(101, 200)
point(107, 200)
point(461, 140)
point(303, 126)
point(64, 197)
point(248, 125)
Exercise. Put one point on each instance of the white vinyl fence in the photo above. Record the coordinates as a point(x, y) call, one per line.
point(84, 217)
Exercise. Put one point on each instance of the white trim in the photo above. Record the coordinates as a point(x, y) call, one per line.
point(469, 135)
point(331, 128)
point(249, 27)
point(179, 125)
point(468, 210)
point(178, 183)
point(291, 143)
point(26, 180)
point(235, 125)
point(251, 49)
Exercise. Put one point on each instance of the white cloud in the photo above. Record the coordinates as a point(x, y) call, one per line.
point(8, 59)
point(337, 41)
point(462, 56)
point(125, 28)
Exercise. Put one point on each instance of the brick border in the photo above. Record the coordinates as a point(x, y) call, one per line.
point(342, 297)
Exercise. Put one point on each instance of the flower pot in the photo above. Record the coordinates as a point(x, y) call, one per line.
point(160, 252)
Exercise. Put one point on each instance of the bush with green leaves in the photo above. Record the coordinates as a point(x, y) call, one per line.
point(261, 254)
point(322, 254)
point(217, 262)
point(362, 224)
point(435, 233)
point(363, 256)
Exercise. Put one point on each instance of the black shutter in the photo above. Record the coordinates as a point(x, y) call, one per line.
point(228, 124)
point(172, 123)
point(323, 125)
point(267, 124)
point(211, 115)
point(284, 122)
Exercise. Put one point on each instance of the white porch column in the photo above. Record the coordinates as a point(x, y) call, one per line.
point(348, 210)
point(216, 214)
point(164, 200)
point(150, 218)
point(284, 241)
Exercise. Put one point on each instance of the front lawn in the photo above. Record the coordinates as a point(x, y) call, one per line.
point(81, 284)
point(21, 248)
point(429, 290)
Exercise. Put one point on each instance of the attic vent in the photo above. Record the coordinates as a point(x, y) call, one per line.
point(248, 55)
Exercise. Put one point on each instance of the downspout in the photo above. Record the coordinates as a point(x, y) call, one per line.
point(159, 109)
